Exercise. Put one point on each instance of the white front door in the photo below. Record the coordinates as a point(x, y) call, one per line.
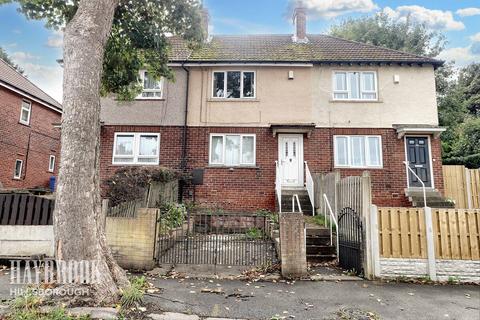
point(290, 156)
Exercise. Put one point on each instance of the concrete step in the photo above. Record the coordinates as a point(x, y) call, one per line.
point(321, 257)
point(317, 231)
point(434, 204)
point(318, 240)
point(321, 249)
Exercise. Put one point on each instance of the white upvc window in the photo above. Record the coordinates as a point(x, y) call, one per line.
point(232, 149)
point(358, 151)
point(51, 163)
point(233, 84)
point(152, 89)
point(136, 148)
point(25, 112)
point(355, 85)
point(17, 172)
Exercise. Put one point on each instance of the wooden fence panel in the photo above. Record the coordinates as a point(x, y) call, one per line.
point(462, 185)
point(402, 233)
point(457, 234)
point(25, 209)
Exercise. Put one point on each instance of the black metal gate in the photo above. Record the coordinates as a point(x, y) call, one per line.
point(350, 237)
point(217, 239)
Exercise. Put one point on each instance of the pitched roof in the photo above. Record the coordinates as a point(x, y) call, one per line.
point(11, 77)
point(280, 48)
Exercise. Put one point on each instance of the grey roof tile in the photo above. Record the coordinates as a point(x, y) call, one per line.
point(13, 78)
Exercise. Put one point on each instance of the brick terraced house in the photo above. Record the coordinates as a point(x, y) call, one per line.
point(29, 141)
point(248, 109)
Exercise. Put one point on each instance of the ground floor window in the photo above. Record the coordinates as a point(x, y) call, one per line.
point(51, 163)
point(358, 151)
point(232, 149)
point(136, 148)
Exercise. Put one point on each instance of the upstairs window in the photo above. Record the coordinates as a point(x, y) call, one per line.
point(152, 89)
point(358, 151)
point(136, 148)
point(232, 149)
point(25, 112)
point(233, 84)
point(355, 85)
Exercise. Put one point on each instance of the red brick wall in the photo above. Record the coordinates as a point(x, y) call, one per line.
point(253, 188)
point(14, 142)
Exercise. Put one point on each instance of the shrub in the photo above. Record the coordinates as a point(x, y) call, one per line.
point(172, 215)
point(130, 183)
point(471, 161)
point(133, 295)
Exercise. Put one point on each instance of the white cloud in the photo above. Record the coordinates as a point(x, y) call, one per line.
point(461, 55)
point(475, 37)
point(46, 77)
point(55, 40)
point(333, 8)
point(467, 12)
point(434, 19)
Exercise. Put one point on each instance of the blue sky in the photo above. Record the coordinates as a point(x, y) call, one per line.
point(36, 48)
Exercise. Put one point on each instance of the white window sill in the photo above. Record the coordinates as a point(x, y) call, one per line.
point(130, 164)
point(149, 99)
point(233, 100)
point(222, 166)
point(354, 101)
point(356, 168)
point(24, 123)
point(16, 178)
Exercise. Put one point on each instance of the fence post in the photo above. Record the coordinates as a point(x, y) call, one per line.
point(469, 188)
point(293, 245)
point(432, 268)
point(366, 203)
point(104, 211)
point(375, 248)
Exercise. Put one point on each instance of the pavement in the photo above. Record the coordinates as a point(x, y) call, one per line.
point(279, 299)
point(315, 299)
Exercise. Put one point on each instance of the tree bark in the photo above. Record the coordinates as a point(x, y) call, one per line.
point(78, 224)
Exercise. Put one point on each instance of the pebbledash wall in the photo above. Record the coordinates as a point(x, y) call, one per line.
point(252, 188)
point(33, 144)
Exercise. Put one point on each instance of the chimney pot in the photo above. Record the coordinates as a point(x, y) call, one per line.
point(300, 22)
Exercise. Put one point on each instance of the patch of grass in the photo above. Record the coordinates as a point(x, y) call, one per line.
point(453, 280)
point(27, 307)
point(319, 220)
point(133, 295)
point(254, 233)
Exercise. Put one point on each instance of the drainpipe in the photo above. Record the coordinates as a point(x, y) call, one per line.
point(183, 164)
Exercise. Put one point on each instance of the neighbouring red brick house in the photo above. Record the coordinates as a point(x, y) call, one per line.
point(258, 107)
point(29, 141)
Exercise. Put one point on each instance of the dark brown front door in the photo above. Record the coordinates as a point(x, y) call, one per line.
point(418, 156)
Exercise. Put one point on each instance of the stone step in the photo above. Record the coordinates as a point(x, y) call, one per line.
point(318, 240)
point(317, 231)
point(434, 204)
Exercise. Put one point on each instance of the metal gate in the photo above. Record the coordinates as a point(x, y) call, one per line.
point(217, 239)
point(350, 238)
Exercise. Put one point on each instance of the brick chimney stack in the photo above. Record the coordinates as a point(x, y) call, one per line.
point(300, 22)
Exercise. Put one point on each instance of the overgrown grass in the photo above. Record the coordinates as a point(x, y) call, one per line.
point(319, 220)
point(254, 233)
point(27, 307)
point(133, 295)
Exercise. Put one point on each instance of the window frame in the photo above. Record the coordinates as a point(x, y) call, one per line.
point(27, 123)
point(19, 176)
point(225, 72)
point(366, 153)
point(51, 166)
point(361, 85)
point(240, 164)
point(136, 149)
point(161, 90)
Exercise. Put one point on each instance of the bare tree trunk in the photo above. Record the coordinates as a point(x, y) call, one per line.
point(78, 223)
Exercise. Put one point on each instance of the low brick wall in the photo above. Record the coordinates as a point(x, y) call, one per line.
point(132, 240)
point(460, 270)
